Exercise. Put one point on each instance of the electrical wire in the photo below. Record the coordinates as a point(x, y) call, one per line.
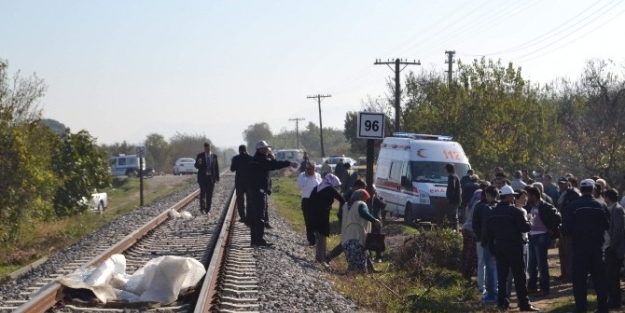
point(521, 59)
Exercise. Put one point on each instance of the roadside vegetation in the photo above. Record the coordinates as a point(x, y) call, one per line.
point(47, 237)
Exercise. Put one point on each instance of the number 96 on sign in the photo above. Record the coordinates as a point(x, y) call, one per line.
point(371, 125)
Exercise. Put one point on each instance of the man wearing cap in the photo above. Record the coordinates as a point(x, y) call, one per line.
point(238, 165)
point(567, 195)
point(585, 220)
point(505, 226)
point(258, 183)
point(207, 175)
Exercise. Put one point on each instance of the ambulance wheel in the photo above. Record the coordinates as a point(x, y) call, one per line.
point(408, 217)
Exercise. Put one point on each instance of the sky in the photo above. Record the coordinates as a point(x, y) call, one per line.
point(125, 69)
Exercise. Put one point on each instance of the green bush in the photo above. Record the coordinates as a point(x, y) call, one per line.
point(440, 248)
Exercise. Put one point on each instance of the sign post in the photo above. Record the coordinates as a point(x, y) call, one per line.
point(370, 127)
point(141, 155)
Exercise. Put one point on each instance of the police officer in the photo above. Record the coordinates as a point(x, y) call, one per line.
point(258, 170)
point(586, 221)
point(505, 226)
point(238, 165)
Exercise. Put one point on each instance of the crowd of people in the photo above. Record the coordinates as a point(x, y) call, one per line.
point(359, 210)
point(358, 214)
point(509, 226)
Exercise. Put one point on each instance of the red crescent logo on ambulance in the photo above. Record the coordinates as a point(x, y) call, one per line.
point(419, 153)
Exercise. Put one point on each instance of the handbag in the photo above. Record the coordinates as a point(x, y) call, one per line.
point(375, 242)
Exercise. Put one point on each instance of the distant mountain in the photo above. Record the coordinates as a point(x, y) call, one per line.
point(55, 125)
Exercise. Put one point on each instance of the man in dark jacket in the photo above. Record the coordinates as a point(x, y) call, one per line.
point(616, 249)
point(568, 194)
point(239, 165)
point(207, 175)
point(486, 271)
point(453, 198)
point(258, 183)
point(505, 226)
point(545, 221)
point(586, 220)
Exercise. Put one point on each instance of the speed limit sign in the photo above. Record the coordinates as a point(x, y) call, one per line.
point(371, 125)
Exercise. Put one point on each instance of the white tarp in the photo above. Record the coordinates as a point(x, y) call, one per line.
point(159, 280)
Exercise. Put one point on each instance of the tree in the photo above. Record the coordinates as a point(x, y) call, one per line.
point(491, 110)
point(157, 153)
point(255, 133)
point(590, 112)
point(81, 166)
point(55, 125)
point(26, 181)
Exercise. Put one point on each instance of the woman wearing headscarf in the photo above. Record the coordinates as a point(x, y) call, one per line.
point(321, 199)
point(355, 226)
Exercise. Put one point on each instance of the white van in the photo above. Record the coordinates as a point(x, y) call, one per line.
point(125, 165)
point(293, 155)
point(411, 175)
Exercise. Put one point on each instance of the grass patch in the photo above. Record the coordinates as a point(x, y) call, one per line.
point(45, 238)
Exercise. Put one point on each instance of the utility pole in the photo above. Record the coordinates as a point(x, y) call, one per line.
point(284, 138)
point(297, 119)
point(449, 61)
point(318, 97)
point(397, 70)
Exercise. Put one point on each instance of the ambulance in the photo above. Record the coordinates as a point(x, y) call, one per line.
point(411, 175)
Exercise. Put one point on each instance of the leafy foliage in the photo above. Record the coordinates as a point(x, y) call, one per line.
point(80, 165)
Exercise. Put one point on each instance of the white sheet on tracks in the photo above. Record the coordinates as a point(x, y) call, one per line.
point(159, 280)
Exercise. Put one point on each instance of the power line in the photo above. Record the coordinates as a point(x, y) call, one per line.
point(319, 97)
point(397, 71)
point(570, 33)
point(478, 27)
point(572, 41)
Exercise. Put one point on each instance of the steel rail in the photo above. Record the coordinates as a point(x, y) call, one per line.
point(47, 298)
point(209, 286)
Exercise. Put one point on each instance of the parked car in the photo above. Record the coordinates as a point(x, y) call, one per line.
point(333, 161)
point(361, 167)
point(99, 202)
point(126, 165)
point(184, 166)
point(293, 155)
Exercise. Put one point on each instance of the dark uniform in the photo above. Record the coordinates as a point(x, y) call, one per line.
point(505, 226)
point(207, 175)
point(585, 221)
point(258, 183)
point(239, 165)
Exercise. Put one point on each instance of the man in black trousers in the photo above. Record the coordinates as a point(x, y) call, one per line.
point(207, 175)
point(586, 220)
point(258, 184)
point(505, 226)
point(239, 165)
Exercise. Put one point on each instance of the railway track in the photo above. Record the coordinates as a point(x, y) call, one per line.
point(217, 240)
